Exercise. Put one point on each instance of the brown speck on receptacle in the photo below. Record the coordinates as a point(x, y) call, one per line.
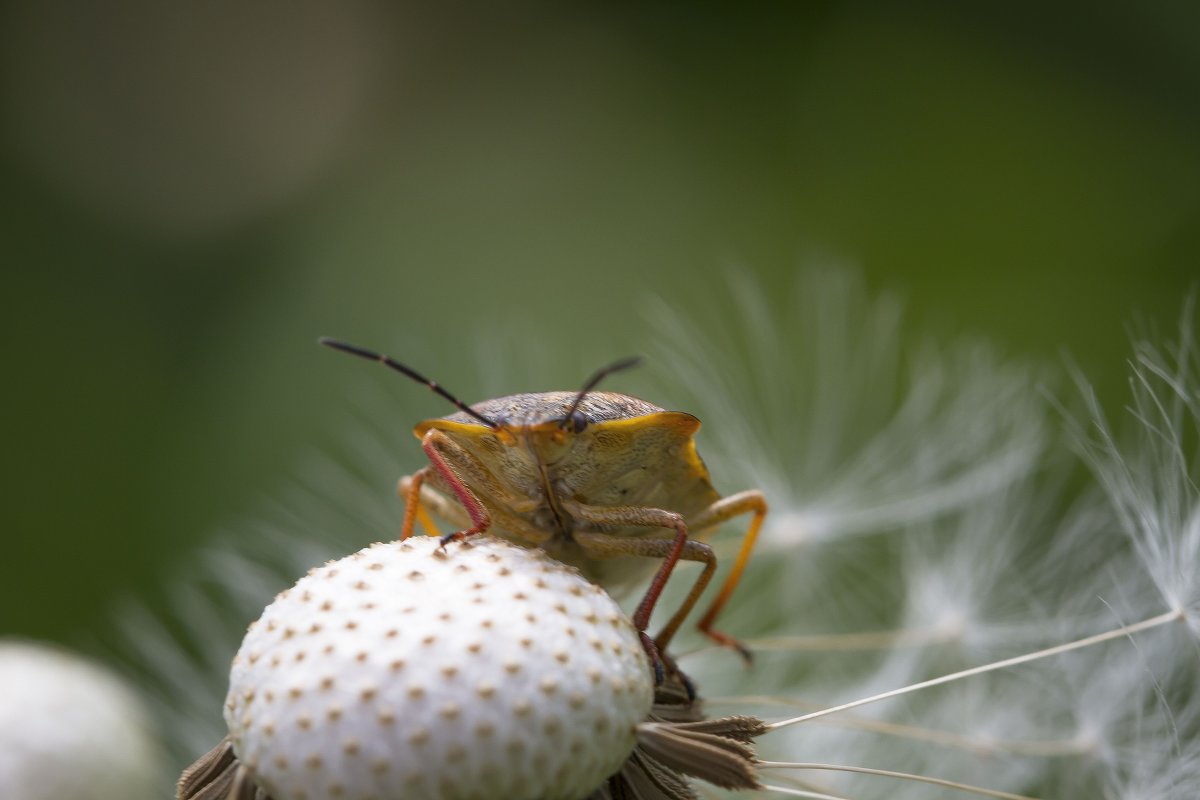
point(367, 694)
point(326, 683)
point(450, 711)
point(462, 568)
point(314, 761)
point(380, 766)
point(331, 574)
point(362, 586)
point(361, 656)
point(375, 567)
point(504, 572)
point(351, 625)
point(334, 713)
point(304, 722)
point(445, 616)
point(486, 691)
point(548, 686)
point(351, 747)
point(416, 575)
point(526, 643)
point(487, 623)
point(418, 736)
point(474, 647)
point(520, 596)
point(386, 717)
point(327, 605)
point(428, 640)
point(416, 692)
point(396, 665)
point(449, 671)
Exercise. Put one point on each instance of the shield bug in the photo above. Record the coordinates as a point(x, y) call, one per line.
point(599, 480)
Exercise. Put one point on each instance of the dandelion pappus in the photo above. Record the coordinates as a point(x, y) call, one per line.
point(599, 480)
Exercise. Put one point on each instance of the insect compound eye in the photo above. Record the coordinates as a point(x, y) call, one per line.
point(576, 422)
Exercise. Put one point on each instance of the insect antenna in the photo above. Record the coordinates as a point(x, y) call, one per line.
point(388, 361)
point(600, 374)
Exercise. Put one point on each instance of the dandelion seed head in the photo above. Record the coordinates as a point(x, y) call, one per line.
point(339, 713)
point(71, 730)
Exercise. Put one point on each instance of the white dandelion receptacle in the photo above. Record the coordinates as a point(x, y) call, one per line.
point(480, 670)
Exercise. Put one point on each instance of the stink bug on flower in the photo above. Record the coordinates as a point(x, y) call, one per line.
point(599, 480)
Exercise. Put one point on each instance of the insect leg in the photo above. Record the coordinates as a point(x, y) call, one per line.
point(603, 545)
point(726, 508)
point(607, 545)
point(441, 452)
point(473, 479)
point(414, 508)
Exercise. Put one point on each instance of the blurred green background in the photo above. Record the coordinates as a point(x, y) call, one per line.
point(191, 194)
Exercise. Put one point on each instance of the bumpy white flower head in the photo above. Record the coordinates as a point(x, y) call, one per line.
point(69, 730)
point(484, 670)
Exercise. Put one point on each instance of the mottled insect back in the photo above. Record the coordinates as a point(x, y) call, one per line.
point(602, 481)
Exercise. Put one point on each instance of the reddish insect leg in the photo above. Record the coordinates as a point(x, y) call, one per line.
point(434, 442)
point(603, 545)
